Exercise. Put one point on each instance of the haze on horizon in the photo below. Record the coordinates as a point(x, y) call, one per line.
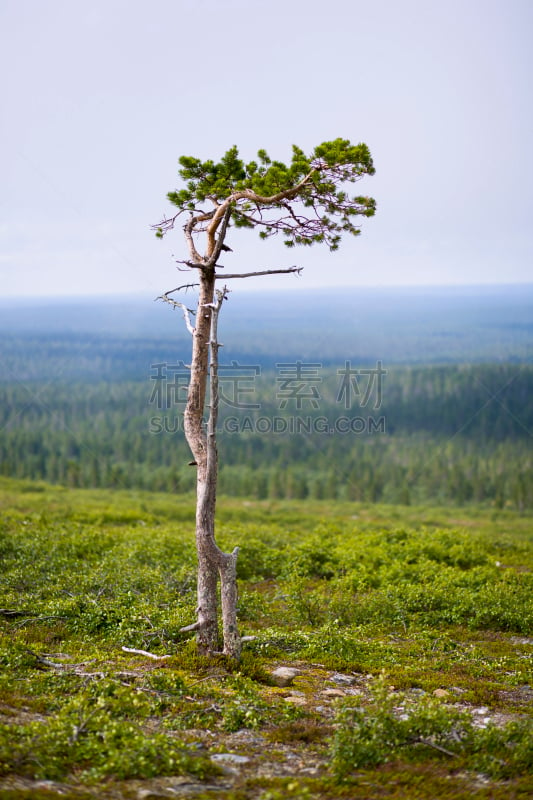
point(101, 100)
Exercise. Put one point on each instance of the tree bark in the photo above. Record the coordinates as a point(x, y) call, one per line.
point(212, 561)
point(226, 562)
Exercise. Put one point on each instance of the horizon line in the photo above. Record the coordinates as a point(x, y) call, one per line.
point(141, 294)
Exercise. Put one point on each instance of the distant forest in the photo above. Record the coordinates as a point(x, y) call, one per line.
point(92, 394)
point(450, 434)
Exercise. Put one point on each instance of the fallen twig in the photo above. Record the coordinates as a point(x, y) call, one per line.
point(438, 747)
point(192, 627)
point(54, 664)
point(144, 653)
point(14, 612)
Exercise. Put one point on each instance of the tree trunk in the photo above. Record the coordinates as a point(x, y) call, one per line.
point(212, 561)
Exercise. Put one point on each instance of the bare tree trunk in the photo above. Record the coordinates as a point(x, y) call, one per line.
point(228, 580)
point(227, 562)
point(212, 561)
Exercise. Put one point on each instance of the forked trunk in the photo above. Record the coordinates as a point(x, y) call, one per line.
point(212, 561)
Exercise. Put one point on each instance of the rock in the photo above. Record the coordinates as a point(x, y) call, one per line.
point(163, 788)
point(295, 700)
point(229, 758)
point(284, 676)
point(333, 693)
point(343, 680)
point(246, 736)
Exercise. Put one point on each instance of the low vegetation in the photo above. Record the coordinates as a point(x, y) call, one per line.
point(410, 628)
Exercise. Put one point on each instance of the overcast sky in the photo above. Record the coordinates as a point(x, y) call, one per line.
point(100, 98)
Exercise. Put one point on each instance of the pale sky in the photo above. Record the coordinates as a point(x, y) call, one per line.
point(100, 98)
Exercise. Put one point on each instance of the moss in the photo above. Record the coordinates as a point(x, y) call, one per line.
point(307, 731)
point(82, 577)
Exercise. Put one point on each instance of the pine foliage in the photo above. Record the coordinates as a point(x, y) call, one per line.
point(308, 196)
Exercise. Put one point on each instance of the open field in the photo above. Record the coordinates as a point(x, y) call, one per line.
point(411, 629)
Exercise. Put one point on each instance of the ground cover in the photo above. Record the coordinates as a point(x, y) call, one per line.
point(408, 630)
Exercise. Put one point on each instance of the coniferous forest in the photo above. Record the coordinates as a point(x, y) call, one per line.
point(441, 434)
point(393, 397)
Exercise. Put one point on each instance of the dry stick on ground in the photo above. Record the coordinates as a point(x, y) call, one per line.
point(144, 653)
point(55, 665)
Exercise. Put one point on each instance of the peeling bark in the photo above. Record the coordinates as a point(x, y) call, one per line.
point(206, 497)
point(212, 561)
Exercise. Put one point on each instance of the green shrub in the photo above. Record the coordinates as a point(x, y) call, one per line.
point(373, 734)
point(503, 752)
point(97, 734)
point(392, 723)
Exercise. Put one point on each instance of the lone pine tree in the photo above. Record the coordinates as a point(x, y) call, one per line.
point(306, 202)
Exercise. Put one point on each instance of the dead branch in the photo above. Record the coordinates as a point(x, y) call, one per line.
point(79, 729)
point(185, 287)
point(144, 653)
point(262, 272)
point(36, 618)
point(99, 675)
point(166, 224)
point(186, 311)
point(188, 263)
point(193, 627)
point(438, 747)
point(54, 664)
point(9, 613)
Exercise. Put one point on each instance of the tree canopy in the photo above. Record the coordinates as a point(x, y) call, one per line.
point(309, 197)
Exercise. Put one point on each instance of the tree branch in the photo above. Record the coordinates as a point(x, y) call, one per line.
point(176, 304)
point(212, 260)
point(193, 627)
point(143, 653)
point(435, 746)
point(249, 194)
point(53, 664)
point(178, 289)
point(263, 272)
point(166, 224)
point(188, 228)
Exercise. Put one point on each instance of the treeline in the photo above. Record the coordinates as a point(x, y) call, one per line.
point(397, 470)
point(440, 434)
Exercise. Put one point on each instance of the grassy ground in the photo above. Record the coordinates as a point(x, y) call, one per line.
point(410, 628)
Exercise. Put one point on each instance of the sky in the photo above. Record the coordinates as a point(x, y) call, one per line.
point(100, 99)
